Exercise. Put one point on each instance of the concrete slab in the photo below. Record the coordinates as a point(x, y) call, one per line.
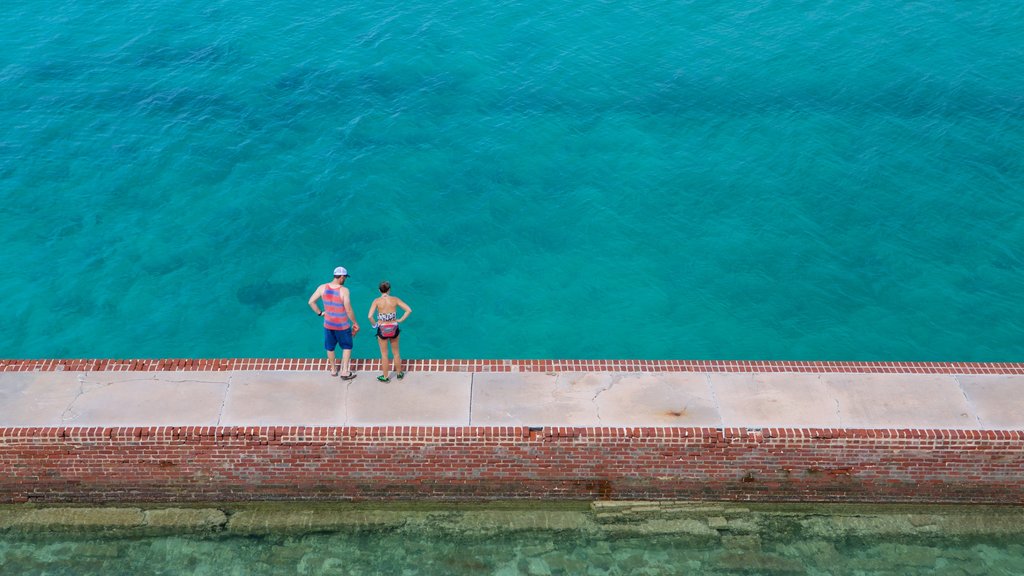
point(314, 398)
point(998, 401)
point(538, 399)
point(282, 398)
point(148, 399)
point(658, 399)
point(779, 400)
point(900, 401)
point(37, 398)
point(420, 399)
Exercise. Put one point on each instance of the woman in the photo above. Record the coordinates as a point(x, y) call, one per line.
point(386, 324)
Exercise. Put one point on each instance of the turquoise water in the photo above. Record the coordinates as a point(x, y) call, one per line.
point(757, 180)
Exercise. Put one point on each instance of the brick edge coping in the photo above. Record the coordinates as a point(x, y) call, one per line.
point(312, 434)
point(454, 365)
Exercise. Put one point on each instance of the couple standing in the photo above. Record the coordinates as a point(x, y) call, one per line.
point(340, 324)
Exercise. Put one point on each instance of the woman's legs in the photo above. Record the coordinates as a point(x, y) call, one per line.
point(384, 367)
point(398, 354)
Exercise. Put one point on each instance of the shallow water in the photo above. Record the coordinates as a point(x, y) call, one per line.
point(511, 552)
point(521, 554)
point(743, 179)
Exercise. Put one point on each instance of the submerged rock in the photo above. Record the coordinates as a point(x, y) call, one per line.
point(257, 521)
point(85, 518)
point(185, 518)
point(511, 520)
point(758, 563)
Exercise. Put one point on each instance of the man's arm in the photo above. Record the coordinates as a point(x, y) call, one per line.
point(312, 300)
point(351, 312)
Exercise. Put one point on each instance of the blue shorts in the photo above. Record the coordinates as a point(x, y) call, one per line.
point(334, 338)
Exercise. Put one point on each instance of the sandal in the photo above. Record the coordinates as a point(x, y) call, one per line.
point(401, 374)
point(383, 378)
point(335, 371)
point(349, 376)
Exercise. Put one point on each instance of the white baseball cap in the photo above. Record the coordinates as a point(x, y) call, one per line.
point(340, 271)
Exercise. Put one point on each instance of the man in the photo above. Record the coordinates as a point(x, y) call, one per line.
point(339, 321)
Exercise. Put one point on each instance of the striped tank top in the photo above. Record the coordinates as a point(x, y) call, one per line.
point(335, 315)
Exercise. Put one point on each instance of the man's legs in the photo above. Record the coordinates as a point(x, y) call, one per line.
point(346, 355)
point(332, 362)
point(345, 340)
point(330, 342)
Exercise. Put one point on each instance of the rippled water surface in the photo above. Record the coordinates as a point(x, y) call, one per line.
point(534, 553)
point(739, 179)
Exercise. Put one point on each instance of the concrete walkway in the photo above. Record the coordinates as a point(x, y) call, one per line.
point(616, 399)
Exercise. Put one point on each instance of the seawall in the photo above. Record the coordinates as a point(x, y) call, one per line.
point(280, 429)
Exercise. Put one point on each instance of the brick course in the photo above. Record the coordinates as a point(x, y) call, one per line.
point(479, 463)
point(227, 364)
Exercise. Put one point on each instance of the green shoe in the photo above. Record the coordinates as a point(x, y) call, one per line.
point(383, 378)
point(401, 375)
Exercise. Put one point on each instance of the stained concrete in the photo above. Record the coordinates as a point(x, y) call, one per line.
point(142, 399)
point(112, 398)
point(38, 398)
point(777, 400)
point(909, 400)
point(997, 401)
point(420, 399)
point(538, 399)
point(674, 399)
point(280, 398)
point(618, 399)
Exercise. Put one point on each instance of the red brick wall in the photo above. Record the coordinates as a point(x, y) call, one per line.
point(293, 463)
